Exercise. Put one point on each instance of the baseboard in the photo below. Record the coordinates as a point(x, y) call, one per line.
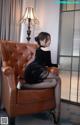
point(70, 102)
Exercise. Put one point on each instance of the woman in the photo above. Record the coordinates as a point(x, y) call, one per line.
point(42, 60)
point(37, 71)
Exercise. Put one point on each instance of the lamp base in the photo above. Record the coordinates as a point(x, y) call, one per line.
point(28, 38)
point(29, 31)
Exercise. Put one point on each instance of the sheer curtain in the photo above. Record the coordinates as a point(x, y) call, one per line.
point(10, 14)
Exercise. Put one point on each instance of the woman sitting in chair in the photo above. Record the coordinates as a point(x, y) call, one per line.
point(35, 70)
point(37, 75)
point(41, 73)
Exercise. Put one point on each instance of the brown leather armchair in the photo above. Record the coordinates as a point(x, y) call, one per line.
point(18, 101)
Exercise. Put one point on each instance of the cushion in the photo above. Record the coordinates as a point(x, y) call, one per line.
point(47, 83)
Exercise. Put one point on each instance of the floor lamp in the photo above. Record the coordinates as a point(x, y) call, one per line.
point(31, 19)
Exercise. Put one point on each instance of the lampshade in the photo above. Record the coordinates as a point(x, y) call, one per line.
point(31, 19)
point(29, 14)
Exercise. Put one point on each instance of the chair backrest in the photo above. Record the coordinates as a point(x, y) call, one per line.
point(17, 55)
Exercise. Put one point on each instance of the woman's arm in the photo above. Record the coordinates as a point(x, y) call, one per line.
point(32, 55)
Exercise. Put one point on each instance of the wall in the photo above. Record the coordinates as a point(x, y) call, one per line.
point(48, 14)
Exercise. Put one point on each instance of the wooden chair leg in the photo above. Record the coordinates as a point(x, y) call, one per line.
point(56, 119)
point(11, 121)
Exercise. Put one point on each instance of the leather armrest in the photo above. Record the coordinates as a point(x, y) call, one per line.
point(53, 70)
point(8, 74)
point(7, 70)
point(8, 88)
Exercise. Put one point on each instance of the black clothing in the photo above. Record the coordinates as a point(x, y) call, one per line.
point(36, 71)
point(43, 58)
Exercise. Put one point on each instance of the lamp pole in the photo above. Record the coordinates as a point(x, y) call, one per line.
point(29, 31)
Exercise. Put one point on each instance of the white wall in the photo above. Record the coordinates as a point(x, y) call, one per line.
point(48, 14)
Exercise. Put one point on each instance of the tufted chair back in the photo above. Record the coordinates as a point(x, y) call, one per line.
point(17, 55)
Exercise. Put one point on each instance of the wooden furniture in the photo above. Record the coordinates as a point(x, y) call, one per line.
point(21, 102)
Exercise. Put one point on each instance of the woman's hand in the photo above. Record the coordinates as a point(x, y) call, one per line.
point(53, 70)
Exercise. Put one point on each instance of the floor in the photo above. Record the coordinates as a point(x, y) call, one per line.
point(70, 115)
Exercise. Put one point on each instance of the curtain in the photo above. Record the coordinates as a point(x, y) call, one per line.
point(10, 14)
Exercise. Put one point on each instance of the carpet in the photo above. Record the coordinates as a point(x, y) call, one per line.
point(70, 115)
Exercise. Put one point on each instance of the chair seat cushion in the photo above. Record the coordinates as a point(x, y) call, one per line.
point(48, 83)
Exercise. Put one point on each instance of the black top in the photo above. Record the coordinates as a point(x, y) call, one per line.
point(36, 71)
point(43, 58)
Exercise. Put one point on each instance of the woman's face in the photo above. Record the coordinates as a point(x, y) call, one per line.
point(46, 42)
